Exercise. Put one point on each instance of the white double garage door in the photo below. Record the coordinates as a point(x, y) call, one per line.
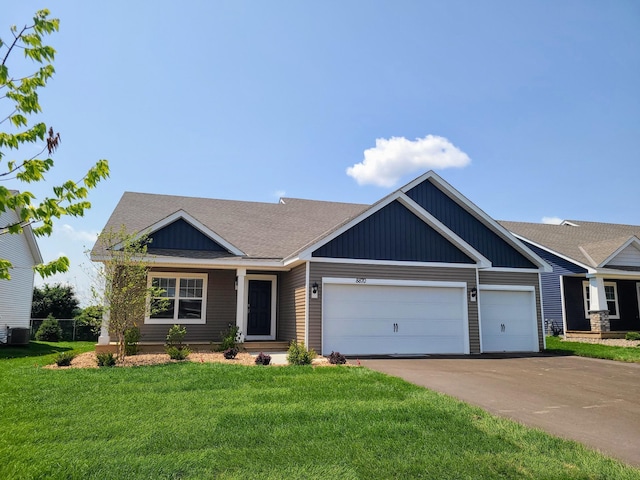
point(382, 317)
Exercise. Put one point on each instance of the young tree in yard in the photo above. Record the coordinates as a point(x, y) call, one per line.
point(124, 282)
point(57, 300)
point(19, 86)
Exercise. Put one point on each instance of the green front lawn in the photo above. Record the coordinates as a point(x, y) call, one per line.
point(193, 420)
point(594, 350)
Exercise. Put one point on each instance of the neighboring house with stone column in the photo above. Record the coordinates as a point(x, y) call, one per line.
point(594, 289)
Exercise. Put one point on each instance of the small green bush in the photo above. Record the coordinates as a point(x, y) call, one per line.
point(63, 359)
point(230, 338)
point(632, 336)
point(131, 339)
point(298, 354)
point(49, 331)
point(106, 359)
point(178, 353)
point(176, 335)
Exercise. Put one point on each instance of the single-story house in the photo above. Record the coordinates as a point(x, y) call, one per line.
point(594, 288)
point(422, 271)
point(16, 294)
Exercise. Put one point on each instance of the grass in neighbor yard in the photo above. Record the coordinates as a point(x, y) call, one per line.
point(594, 350)
point(191, 420)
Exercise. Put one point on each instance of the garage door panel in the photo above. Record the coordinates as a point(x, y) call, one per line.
point(508, 321)
point(384, 319)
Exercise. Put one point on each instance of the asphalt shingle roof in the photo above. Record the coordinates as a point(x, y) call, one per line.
point(589, 243)
point(260, 230)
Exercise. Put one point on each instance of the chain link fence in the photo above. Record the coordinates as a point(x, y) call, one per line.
point(72, 330)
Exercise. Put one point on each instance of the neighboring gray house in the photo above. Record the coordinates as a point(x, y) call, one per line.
point(16, 294)
point(594, 289)
point(421, 271)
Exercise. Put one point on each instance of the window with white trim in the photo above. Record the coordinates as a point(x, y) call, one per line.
point(184, 296)
point(611, 294)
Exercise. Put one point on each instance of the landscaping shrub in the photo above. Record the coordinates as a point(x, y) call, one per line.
point(131, 339)
point(632, 336)
point(178, 353)
point(263, 359)
point(336, 358)
point(106, 359)
point(63, 359)
point(298, 354)
point(230, 338)
point(174, 347)
point(230, 353)
point(49, 331)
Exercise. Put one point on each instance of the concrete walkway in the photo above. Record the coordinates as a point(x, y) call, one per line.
point(595, 402)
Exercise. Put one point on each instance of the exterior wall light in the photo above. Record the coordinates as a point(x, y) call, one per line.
point(473, 294)
point(314, 290)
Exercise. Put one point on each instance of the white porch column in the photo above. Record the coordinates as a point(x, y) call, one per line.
point(597, 297)
point(598, 308)
point(241, 306)
point(104, 338)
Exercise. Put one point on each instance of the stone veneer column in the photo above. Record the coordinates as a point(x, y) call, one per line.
point(599, 320)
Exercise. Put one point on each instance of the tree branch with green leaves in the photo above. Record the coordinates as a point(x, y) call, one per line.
point(20, 93)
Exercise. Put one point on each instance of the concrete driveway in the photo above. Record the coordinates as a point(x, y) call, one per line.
point(596, 402)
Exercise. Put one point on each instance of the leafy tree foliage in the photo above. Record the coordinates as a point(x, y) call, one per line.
point(123, 279)
point(56, 300)
point(91, 316)
point(19, 97)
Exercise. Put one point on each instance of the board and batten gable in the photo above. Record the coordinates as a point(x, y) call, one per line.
point(180, 235)
point(16, 294)
point(393, 233)
point(517, 279)
point(467, 226)
point(320, 270)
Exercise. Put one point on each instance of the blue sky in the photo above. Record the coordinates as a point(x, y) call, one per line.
point(536, 103)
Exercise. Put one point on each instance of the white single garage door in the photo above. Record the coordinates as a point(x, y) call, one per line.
point(399, 318)
point(508, 320)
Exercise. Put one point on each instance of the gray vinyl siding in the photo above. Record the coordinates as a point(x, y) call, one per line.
point(319, 270)
point(393, 233)
point(517, 279)
point(291, 300)
point(467, 226)
point(221, 309)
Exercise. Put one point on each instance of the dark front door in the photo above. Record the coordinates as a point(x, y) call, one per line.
point(259, 313)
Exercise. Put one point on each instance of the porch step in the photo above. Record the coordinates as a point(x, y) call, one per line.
point(266, 346)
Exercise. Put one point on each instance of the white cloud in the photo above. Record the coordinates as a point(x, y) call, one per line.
point(552, 220)
point(390, 159)
point(77, 235)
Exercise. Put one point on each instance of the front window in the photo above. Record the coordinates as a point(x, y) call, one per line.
point(611, 294)
point(181, 295)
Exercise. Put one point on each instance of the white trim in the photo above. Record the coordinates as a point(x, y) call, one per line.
point(221, 263)
point(586, 284)
point(181, 214)
point(444, 231)
point(241, 305)
point(274, 298)
point(394, 263)
point(175, 320)
point(478, 307)
point(516, 288)
point(385, 281)
point(638, 295)
point(564, 311)
point(535, 302)
point(633, 240)
point(307, 299)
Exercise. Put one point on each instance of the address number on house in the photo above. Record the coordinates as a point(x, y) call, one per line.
point(361, 280)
